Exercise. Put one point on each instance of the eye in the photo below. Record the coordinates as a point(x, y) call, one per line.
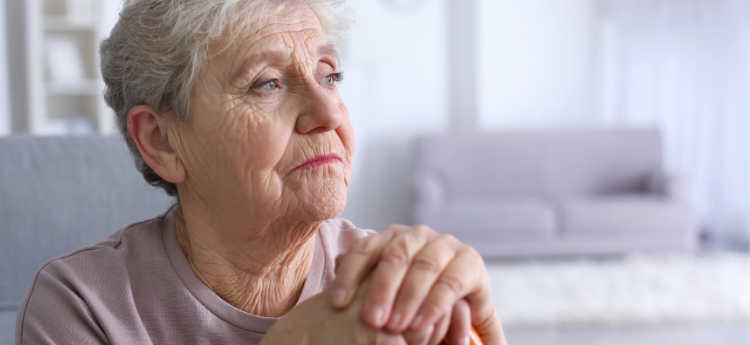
point(328, 81)
point(331, 79)
point(269, 85)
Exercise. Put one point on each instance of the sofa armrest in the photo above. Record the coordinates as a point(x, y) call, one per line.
point(673, 186)
point(429, 191)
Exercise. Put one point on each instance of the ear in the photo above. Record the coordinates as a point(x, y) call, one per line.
point(150, 134)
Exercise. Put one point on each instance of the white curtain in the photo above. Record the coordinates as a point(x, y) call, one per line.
point(684, 65)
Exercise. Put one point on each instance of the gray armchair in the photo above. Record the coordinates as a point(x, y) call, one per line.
point(553, 192)
point(58, 194)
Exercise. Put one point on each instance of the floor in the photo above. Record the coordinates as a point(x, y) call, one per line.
point(664, 335)
point(652, 335)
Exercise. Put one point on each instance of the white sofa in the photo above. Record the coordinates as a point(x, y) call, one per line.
point(553, 192)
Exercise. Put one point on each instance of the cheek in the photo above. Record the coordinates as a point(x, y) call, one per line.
point(345, 131)
point(257, 136)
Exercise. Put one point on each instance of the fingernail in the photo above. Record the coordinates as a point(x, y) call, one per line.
point(464, 341)
point(375, 315)
point(339, 296)
point(417, 322)
point(395, 320)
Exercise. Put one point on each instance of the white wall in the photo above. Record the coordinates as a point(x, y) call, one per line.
point(535, 68)
point(536, 63)
point(395, 86)
point(5, 123)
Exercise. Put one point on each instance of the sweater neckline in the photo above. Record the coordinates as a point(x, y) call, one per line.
point(214, 303)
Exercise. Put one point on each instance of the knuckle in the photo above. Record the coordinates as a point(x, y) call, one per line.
point(395, 229)
point(453, 284)
point(364, 246)
point(426, 264)
point(396, 255)
point(431, 307)
point(390, 229)
point(466, 250)
point(423, 230)
point(449, 241)
point(448, 238)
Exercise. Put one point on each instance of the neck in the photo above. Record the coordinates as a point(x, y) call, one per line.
point(260, 270)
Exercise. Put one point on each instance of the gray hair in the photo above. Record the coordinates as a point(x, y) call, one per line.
point(159, 48)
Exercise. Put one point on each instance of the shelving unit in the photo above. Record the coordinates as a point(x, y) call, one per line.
point(65, 84)
point(5, 120)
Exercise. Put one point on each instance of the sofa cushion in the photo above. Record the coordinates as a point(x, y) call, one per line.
point(600, 162)
point(626, 217)
point(483, 165)
point(522, 219)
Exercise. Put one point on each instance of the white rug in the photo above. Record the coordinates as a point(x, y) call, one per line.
point(632, 290)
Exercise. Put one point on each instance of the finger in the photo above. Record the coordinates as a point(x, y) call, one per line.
point(489, 328)
point(458, 333)
point(441, 329)
point(389, 274)
point(385, 338)
point(464, 275)
point(424, 271)
point(484, 317)
point(354, 266)
point(421, 337)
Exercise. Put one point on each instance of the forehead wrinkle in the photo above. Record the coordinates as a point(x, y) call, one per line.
point(274, 54)
point(264, 50)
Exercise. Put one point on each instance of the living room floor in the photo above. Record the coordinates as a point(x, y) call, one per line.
point(737, 334)
point(644, 299)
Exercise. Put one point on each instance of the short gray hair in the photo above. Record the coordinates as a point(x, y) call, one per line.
point(159, 48)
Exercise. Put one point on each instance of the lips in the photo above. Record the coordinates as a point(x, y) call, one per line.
point(319, 161)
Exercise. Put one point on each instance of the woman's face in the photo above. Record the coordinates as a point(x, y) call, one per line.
point(269, 136)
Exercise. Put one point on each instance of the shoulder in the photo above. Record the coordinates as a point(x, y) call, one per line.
point(339, 234)
point(343, 231)
point(74, 286)
point(116, 250)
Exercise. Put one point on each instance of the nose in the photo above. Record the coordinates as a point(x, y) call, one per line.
point(321, 110)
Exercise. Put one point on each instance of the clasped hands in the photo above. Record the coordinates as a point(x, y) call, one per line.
point(405, 285)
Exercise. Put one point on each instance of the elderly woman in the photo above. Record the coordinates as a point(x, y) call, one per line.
point(232, 107)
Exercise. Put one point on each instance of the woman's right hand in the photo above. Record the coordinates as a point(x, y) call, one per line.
point(316, 322)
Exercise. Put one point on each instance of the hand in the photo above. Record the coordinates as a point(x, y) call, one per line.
point(419, 275)
point(314, 321)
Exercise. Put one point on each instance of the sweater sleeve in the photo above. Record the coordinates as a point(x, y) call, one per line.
point(53, 312)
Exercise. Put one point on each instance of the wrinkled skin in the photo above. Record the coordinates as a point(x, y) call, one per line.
point(250, 205)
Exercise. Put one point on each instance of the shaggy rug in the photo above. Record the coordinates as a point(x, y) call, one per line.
point(632, 290)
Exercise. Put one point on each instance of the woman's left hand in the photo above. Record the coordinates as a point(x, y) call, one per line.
point(418, 276)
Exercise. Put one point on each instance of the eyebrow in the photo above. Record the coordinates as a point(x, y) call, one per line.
point(328, 49)
point(277, 55)
point(273, 55)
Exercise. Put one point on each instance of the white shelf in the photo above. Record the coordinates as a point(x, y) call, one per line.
point(5, 122)
point(65, 85)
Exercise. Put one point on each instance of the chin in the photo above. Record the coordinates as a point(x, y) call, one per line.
point(325, 201)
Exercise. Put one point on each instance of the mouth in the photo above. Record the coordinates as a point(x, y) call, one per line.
point(318, 161)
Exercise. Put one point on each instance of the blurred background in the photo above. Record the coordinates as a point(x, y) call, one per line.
point(509, 77)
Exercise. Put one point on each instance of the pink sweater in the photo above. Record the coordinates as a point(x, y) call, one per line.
point(137, 287)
